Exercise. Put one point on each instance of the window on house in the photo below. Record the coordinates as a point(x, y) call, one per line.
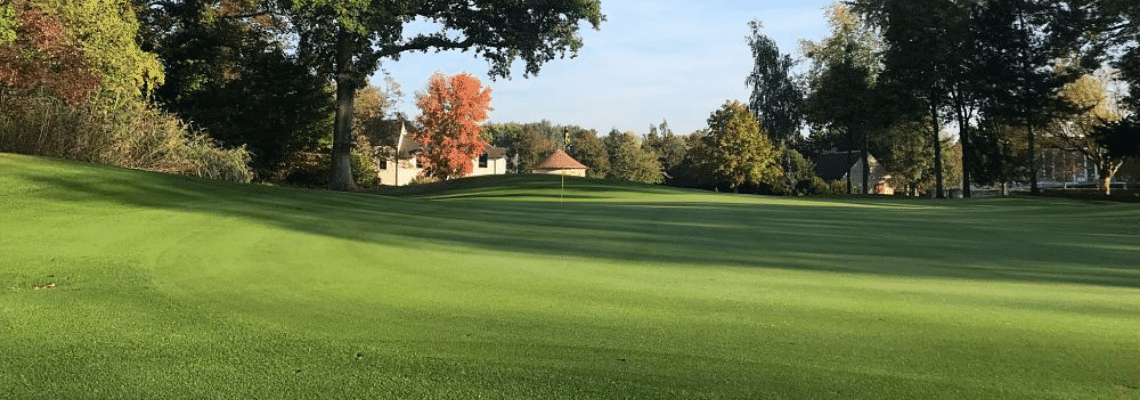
point(384, 164)
point(483, 160)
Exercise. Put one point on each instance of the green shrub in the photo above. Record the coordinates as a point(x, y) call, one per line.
point(839, 187)
point(422, 179)
point(363, 165)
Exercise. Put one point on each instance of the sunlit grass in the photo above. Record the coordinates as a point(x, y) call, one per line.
point(512, 287)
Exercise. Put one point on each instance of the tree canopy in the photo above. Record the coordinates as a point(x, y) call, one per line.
point(735, 152)
point(776, 99)
point(347, 40)
point(450, 135)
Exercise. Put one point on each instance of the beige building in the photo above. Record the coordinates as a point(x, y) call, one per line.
point(561, 163)
point(397, 165)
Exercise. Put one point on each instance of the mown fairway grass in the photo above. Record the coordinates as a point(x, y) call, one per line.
point(168, 287)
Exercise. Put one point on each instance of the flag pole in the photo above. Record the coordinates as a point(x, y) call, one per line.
point(565, 145)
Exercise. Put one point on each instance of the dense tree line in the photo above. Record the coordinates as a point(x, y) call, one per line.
point(942, 92)
point(275, 80)
point(1002, 73)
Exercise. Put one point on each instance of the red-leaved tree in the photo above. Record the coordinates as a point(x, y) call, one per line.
point(44, 56)
point(451, 112)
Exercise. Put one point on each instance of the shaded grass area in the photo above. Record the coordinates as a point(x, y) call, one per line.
point(510, 287)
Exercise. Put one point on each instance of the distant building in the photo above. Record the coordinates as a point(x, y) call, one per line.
point(561, 163)
point(397, 164)
point(836, 166)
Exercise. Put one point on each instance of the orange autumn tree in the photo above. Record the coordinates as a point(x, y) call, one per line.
point(452, 110)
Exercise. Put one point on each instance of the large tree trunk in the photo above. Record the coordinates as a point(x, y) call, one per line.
point(937, 151)
point(340, 174)
point(1032, 161)
point(1106, 170)
point(866, 165)
point(967, 158)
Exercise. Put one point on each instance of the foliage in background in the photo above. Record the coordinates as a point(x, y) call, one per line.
point(1080, 132)
point(73, 81)
point(234, 79)
point(451, 110)
point(1000, 155)
point(852, 39)
point(736, 153)
point(920, 63)
point(590, 150)
point(346, 41)
point(125, 133)
point(526, 144)
point(1019, 79)
point(776, 100)
point(629, 160)
point(670, 148)
point(43, 55)
point(7, 23)
point(108, 30)
point(841, 82)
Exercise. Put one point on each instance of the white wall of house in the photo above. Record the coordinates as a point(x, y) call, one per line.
point(407, 170)
point(397, 174)
point(484, 165)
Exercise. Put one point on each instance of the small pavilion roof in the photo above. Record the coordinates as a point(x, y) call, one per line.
point(560, 160)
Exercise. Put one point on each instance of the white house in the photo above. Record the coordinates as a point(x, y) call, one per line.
point(397, 165)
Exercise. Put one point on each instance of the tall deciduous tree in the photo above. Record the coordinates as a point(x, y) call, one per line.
point(590, 150)
point(841, 99)
point(1019, 43)
point(776, 99)
point(451, 111)
point(629, 160)
point(735, 152)
point(669, 147)
point(233, 77)
point(346, 41)
point(108, 30)
point(842, 76)
point(920, 62)
point(1085, 133)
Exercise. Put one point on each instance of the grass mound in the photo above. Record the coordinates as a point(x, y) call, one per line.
point(127, 284)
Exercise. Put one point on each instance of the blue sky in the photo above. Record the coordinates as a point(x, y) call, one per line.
point(651, 61)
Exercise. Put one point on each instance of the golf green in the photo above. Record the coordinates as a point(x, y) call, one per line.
point(120, 284)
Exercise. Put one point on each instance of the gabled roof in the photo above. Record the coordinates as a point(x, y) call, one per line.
point(496, 153)
point(560, 160)
point(397, 134)
point(835, 166)
point(393, 134)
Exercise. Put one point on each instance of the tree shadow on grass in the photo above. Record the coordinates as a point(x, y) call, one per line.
point(987, 242)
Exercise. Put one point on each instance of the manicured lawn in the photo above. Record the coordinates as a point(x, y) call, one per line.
point(127, 284)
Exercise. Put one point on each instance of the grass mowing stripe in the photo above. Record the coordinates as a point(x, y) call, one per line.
point(168, 287)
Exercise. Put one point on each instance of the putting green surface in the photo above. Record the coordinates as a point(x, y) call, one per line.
point(136, 285)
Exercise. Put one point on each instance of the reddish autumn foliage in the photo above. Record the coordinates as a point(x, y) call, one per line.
point(451, 109)
point(44, 56)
